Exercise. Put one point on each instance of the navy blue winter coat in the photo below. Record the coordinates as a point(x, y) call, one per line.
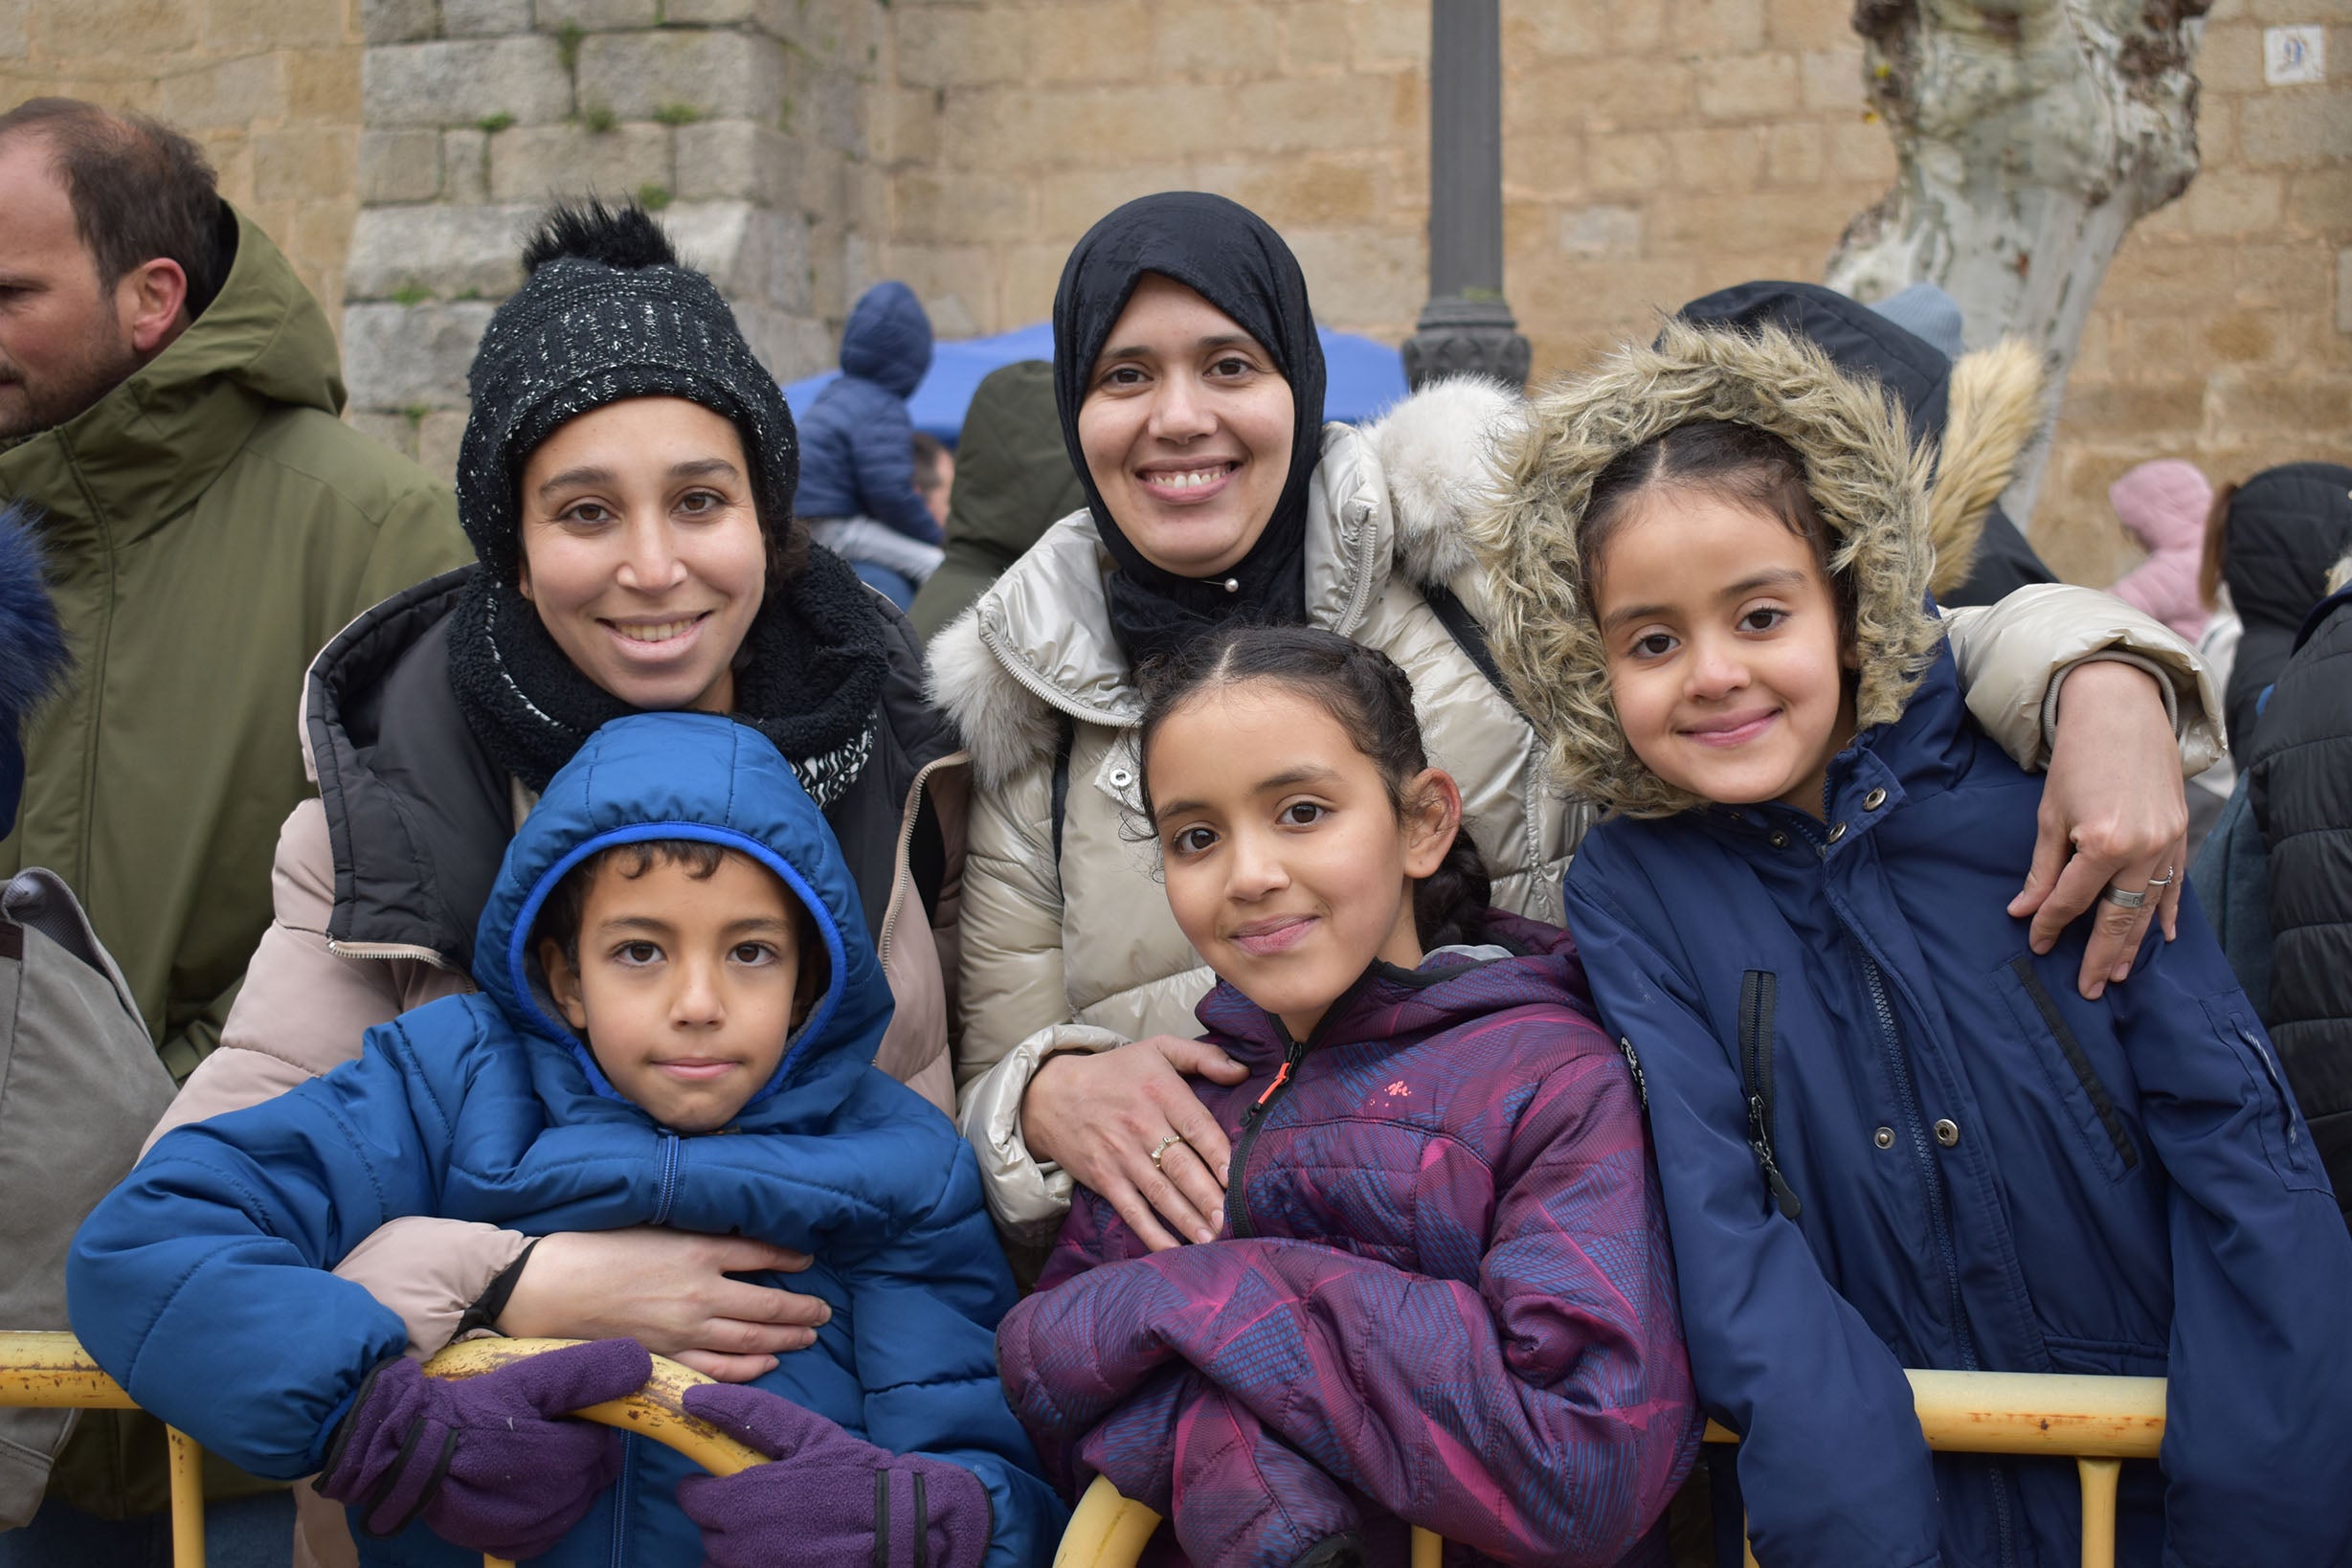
point(202, 1283)
point(1982, 1169)
point(857, 443)
point(1887, 1134)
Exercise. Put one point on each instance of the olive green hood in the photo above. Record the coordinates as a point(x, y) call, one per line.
point(1868, 483)
point(144, 451)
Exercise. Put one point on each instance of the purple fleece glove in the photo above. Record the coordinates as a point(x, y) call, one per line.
point(830, 1498)
point(488, 1461)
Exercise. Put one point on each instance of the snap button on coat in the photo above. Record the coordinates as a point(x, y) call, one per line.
point(1874, 800)
point(1947, 1131)
point(1884, 1137)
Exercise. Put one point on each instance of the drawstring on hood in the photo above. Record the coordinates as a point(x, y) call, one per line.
point(1868, 483)
point(702, 778)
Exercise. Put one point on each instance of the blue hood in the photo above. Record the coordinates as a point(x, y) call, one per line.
point(888, 339)
point(700, 776)
point(34, 647)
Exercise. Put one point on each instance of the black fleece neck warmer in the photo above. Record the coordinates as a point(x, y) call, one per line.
point(1229, 256)
point(809, 678)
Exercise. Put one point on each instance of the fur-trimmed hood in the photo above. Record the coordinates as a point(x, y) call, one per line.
point(1868, 483)
point(1389, 498)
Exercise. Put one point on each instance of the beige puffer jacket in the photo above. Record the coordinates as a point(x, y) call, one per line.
point(1077, 951)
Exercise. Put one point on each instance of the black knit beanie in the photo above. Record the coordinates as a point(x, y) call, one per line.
point(607, 313)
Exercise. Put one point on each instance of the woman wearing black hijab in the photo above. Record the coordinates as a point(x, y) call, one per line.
point(1188, 382)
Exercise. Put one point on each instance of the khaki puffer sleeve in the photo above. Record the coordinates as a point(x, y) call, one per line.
point(302, 1012)
point(1010, 982)
point(1027, 1196)
point(2014, 655)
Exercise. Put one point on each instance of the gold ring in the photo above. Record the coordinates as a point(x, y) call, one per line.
point(1161, 1148)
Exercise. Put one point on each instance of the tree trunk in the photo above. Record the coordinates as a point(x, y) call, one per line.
point(2030, 134)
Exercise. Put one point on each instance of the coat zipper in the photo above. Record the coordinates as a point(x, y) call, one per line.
point(673, 1155)
point(1253, 1121)
point(1757, 991)
point(1042, 689)
point(621, 1503)
point(1939, 1214)
point(389, 949)
point(1938, 1197)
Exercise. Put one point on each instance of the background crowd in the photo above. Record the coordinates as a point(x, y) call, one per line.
point(273, 705)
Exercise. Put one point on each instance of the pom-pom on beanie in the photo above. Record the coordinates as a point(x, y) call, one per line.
point(605, 313)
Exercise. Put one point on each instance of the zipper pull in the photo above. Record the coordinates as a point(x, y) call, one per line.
point(1782, 1193)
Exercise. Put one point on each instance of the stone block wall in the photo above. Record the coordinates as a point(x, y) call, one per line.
point(269, 87)
point(1006, 129)
point(740, 120)
point(1654, 149)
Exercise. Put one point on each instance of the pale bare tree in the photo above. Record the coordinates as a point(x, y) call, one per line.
point(2029, 135)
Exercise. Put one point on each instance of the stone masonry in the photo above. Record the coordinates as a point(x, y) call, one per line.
point(269, 87)
point(741, 121)
point(1654, 149)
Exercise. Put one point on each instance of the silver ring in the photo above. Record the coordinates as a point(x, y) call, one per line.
point(1161, 1148)
point(2124, 898)
point(2164, 881)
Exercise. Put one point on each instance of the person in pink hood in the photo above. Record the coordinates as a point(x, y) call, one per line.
point(2163, 505)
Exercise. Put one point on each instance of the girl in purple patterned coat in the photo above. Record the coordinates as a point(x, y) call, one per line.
point(1441, 1295)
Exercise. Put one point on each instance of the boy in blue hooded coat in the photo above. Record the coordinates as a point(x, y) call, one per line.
point(685, 1039)
point(857, 448)
point(1890, 1134)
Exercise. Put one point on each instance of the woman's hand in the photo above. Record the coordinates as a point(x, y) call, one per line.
point(1100, 1115)
point(2114, 803)
point(668, 1290)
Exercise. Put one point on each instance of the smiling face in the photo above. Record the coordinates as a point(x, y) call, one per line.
point(685, 986)
point(1726, 656)
point(1289, 867)
point(1187, 428)
point(641, 550)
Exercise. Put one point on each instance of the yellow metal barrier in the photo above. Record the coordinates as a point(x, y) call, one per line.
point(2098, 1422)
point(52, 1370)
point(1109, 1531)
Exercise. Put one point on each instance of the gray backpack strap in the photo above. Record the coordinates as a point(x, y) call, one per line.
point(81, 1088)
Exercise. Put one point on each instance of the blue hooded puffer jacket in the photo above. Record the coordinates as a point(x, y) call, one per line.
point(1889, 1136)
point(857, 443)
point(201, 1284)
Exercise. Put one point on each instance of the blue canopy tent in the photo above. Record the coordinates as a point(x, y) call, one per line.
point(1362, 377)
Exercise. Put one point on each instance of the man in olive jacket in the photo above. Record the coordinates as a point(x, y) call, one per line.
point(169, 400)
point(209, 525)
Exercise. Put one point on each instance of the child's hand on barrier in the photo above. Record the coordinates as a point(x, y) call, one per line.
point(490, 1463)
point(840, 1499)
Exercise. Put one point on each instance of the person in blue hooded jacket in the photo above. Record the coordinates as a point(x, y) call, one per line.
point(1890, 1134)
point(857, 448)
point(676, 1025)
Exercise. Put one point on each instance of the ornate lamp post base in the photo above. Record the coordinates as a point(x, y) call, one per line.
point(1458, 336)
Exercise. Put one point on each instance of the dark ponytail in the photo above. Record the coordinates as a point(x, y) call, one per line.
point(1369, 695)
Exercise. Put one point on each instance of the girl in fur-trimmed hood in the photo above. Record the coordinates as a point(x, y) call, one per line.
point(1890, 1134)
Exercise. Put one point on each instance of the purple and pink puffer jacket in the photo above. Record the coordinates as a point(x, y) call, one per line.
point(1443, 1294)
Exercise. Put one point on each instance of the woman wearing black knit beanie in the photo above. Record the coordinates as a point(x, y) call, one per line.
point(627, 480)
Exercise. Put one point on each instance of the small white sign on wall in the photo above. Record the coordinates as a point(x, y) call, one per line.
point(2294, 54)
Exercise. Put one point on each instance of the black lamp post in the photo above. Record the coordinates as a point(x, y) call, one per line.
point(1465, 327)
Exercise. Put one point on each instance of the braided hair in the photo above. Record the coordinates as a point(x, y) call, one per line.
point(1372, 699)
